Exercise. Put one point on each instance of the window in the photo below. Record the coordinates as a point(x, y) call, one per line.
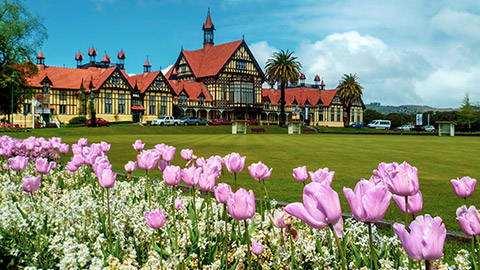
point(163, 108)
point(121, 103)
point(241, 65)
point(339, 119)
point(152, 107)
point(116, 80)
point(27, 108)
point(63, 95)
point(332, 114)
point(241, 93)
point(267, 105)
point(46, 88)
point(358, 115)
point(136, 100)
point(201, 100)
point(224, 92)
point(183, 68)
point(352, 116)
point(108, 102)
point(63, 109)
point(158, 83)
point(182, 99)
point(320, 113)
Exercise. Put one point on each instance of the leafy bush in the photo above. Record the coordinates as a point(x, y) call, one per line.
point(77, 120)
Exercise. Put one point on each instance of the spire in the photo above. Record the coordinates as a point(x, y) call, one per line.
point(302, 79)
point(208, 29)
point(121, 59)
point(40, 59)
point(147, 67)
point(92, 53)
point(79, 59)
point(106, 59)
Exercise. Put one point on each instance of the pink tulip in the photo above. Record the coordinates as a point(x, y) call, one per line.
point(278, 218)
point(76, 149)
point(155, 219)
point(43, 167)
point(191, 176)
point(415, 203)
point(105, 146)
point(402, 180)
point(321, 206)
point(30, 183)
point(426, 238)
point(234, 162)
point(384, 169)
point(241, 204)
point(78, 161)
point(222, 191)
point(138, 145)
point(63, 148)
point(469, 220)
point(162, 164)
point(5, 166)
point(55, 141)
point(464, 187)
point(168, 153)
point(18, 163)
point(259, 171)
point(215, 161)
point(186, 154)
point(131, 166)
point(369, 201)
point(207, 181)
point(257, 248)
point(300, 174)
point(172, 175)
point(147, 160)
point(83, 142)
point(200, 162)
point(178, 204)
point(322, 175)
point(71, 166)
point(107, 178)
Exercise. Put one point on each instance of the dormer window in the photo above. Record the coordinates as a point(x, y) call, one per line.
point(201, 100)
point(116, 80)
point(46, 88)
point(159, 84)
point(267, 105)
point(183, 68)
point(295, 103)
point(182, 99)
point(241, 65)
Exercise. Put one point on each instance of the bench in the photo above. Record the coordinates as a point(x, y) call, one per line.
point(258, 130)
point(309, 131)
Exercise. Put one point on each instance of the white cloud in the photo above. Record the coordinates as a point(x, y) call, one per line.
point(165, 70)
point(262, 52)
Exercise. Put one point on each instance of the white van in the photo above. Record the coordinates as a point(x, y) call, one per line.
point(380, 124)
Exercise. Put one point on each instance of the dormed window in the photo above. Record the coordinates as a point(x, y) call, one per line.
point(201, 100)
point(182, 99)
point(116, 80)
point(241, 65)
point(158, 83)
point(267, 105)
point(63, 95)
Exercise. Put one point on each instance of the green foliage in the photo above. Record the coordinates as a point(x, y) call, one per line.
point(78, 120)
point(177, 112)
point(348, 91)
point(82, 100)
point(467, 114)
point(369, 115)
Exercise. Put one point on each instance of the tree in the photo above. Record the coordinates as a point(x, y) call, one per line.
point(369, 115)
point(283, 68)
point(348, 91)
point(466, 113)
point(21, 34)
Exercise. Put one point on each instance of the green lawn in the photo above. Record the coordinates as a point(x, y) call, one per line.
point(351, 156)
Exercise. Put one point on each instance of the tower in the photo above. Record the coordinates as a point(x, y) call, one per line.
point(79, 59)
point(147, 67)
point(121, 59)
point(208, 29)
point(92, 53)
point(40, 59)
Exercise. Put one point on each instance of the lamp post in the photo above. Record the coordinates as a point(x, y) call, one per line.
point(11, 109)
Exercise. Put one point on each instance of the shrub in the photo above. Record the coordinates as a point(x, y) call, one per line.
point(77, 120)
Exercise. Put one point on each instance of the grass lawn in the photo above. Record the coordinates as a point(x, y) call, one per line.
point(351, 156)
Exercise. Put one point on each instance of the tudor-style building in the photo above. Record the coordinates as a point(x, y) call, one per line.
point(229, 73)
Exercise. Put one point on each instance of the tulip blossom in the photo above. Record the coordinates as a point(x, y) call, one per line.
point(172, 175)
point(30, 184)
point(107, 178)
point(43, 166)
point(222, 191)
point(162, 165)
point(278, 218)
point(82, 142)
point(147, 160)
point(200, 162)
point(191, 176)
point(257, 248)
point(300, 174)
point(241, 204)
point(469, 220)
point(402, 179)
point(78, 161)
point(321, 206)
point(464, 187)
point(71, 166)
point(63, 148)
point(168, 153)
point(186, 154)
point(131, 166)
point(322, 175)
point(369, 201)
point(18, 163)
point(5, 166)
point(384, 169)
point(76, 149)
point(415, 203)
point(234, 162)
point(178, 204)
point(425, 239)
point(105, 146)
point(259, 171)
point(155, 219)
point(138, 145)
point(207, 181)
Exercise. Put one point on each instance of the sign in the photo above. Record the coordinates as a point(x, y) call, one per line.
point(35, 103)
point(306, 112)
point(419, 118)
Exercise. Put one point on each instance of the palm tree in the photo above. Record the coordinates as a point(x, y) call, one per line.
point(283, 68)
point(348, 91)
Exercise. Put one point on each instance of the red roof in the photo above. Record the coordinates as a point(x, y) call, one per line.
point(302, 77)
point(106, 59)
point(193, 89)
point(138, 108)
point(79, 57)
point(322, 83)
point(92, 52)
point(121, 55)
point(209, 63)
point(40, 55)
point(208, 23)
point(317, 78)
point(143, 81)
point(147, 64)
point(301, 95)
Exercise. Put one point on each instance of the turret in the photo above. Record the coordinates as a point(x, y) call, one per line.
point(302, 79)
point(40, 59)
point(92, 53)
point(121, 59)
point(147, 67)
point(208, 29)
point(79, 59)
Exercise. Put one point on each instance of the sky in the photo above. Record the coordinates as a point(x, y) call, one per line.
point(403, 52)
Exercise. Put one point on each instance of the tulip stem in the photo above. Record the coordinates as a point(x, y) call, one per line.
point(194, 208)
point(147, 190)
point(476, 246)
point(406, 213)
point(161, 249)
point(261, 203)
point(266, 194)
point(344, 264)
point(225, 240)
point(235, 178)
point(174, 213)
point(248, 244)
point(292, 249)
point(109, 223)
point(427, 264)
point(208, 214)
point(372, 250)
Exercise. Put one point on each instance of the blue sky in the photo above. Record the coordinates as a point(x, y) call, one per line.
point(403, 52)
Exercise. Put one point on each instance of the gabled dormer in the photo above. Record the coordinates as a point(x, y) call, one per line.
point(243, 61)
point(183, 97)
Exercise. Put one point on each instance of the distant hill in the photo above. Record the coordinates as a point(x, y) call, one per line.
point(386, 109)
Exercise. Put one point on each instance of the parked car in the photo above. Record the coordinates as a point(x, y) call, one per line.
point(98, 123)
point(205, 122)
point(357, 125)
point(405, 128)
point(165, 121)
point(380, 124)
point(189, 120)
point(221, 121)
point(429, 128)
point(251, 122)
